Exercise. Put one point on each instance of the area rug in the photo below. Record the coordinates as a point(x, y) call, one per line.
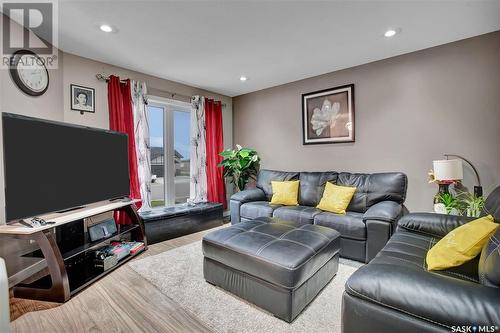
point(178, 274)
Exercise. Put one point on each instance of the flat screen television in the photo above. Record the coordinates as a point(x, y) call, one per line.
point(51, 166)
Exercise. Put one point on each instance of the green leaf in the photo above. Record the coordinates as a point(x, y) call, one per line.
point(245, 163)
point(244, 153)
point(226, 153)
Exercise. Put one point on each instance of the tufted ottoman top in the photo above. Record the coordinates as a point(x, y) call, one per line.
point(272, 249)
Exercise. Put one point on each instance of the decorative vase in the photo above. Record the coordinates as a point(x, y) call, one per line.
point(473, 212)
point(443, 188)
point(438, 206)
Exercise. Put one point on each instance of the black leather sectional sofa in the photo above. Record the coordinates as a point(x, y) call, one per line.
point(371, 216)
point(395, 292)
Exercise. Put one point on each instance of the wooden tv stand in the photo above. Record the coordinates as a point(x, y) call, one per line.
point(58, 279)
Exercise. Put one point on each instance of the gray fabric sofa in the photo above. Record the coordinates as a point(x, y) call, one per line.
point(366, 227)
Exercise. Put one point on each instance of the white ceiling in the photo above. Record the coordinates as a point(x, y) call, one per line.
point(210, 44)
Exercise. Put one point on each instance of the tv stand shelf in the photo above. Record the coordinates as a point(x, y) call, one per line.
point(78, 281)
point(122, 229)
point(70, 269)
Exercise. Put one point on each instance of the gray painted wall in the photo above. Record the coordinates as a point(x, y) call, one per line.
point(410, 110)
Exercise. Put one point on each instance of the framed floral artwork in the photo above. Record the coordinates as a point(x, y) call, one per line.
point(328, 115)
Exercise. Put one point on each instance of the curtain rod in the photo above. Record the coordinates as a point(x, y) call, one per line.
point(103, 77)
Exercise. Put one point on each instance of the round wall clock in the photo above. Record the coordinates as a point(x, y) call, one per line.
point(29, 73)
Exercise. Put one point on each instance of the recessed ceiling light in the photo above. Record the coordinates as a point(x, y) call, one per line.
point(106, 28)
point(243, 78)
point(390, 33)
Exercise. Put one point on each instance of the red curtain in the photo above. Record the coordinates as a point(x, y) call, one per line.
point(121, 120)
point(214, 145)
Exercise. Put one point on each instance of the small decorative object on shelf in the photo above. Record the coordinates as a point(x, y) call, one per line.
point(241, 165)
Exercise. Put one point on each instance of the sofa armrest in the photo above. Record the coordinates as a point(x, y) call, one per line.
point(240, 198)
point(388, 211)
point(255, 194)
point(380, 220)
point(436, 225)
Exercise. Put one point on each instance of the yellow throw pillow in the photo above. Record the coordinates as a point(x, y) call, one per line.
point(285, 193)
point(336, 198)
point(461, 244)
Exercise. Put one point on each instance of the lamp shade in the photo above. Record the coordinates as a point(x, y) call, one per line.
point(448, 170)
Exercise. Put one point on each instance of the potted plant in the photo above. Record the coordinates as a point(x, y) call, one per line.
point(450, 202)
point(470, 205)
point(241, 165)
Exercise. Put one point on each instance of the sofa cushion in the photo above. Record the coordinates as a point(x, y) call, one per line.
point(265, 178)
point(299, 214)
point(350, 225)
point(492, 204)
point(254, 209)
point(312, 185)
point(489, 263)
point(361, 182)
point(285, 193)
point(388, 186)
point(273, 250)
point(336, 198)
point(373, 188)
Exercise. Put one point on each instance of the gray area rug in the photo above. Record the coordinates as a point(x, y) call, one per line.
point(178, 274)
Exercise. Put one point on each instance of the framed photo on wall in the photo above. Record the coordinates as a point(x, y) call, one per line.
point(328, 115)
point(82, 99)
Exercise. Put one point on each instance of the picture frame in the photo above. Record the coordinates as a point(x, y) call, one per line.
point(328, 116)
point(82, 99)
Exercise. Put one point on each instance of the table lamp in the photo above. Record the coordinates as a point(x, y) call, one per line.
point(447, 172)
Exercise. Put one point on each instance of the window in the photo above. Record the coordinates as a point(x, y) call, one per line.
point(169, 126)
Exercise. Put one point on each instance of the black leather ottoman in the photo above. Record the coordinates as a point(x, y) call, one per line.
point(275, 264)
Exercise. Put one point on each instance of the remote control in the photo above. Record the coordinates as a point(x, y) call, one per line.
point(35, 222)
point(30, 223)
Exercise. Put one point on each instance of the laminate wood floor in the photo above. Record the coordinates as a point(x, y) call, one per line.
point(122, 301)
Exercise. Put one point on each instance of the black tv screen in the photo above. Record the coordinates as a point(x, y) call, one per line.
point(51, 166)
